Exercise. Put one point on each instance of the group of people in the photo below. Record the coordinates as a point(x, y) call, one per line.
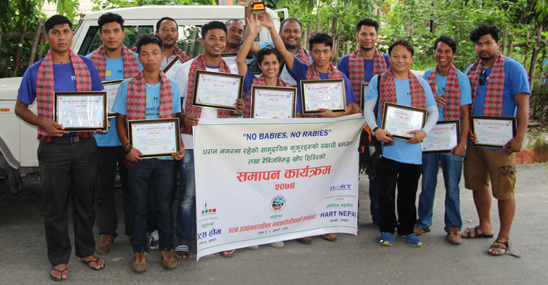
point(81, 164)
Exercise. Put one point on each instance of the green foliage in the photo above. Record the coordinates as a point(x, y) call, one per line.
point(111, 4)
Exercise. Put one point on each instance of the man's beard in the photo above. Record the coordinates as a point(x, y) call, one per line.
point(366, 48)
point(113, 49)
point(168, 46)
point(291, 46)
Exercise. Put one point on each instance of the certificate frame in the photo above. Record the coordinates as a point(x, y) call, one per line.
point(363, 87)
point(172, 63)
point(198, 84)
point(458, 134)
point(292, 90)
point(176, 133)
point(511, 120)
point(304, 83)
point(102, 94)
point(389, 106)
point(107, 83)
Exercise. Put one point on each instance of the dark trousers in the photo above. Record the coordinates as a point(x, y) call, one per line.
point(108, 158)
point(68, 169)
point(406, 178)
point(374, 192)
point(155, 175)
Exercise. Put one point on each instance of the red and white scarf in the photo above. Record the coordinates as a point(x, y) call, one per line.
point(302, 56)
point(313, 74)
point(131, 65)
point(200, 64)
point(356, 66)
point(45, 89)
point(259, 81)
point(234, 50)
point(451, 110)
point(181, 54)
point(388, 94)
point(136, 99)
point(495, 86)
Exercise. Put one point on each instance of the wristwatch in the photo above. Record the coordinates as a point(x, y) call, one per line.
point(374, 130)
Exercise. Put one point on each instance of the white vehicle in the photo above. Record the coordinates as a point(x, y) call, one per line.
point(18, 143)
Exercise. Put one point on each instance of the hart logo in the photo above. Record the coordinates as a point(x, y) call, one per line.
point(341, 187)
point(277, 203)
point(207, 212)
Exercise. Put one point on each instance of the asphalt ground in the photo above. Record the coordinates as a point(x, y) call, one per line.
point(350, 260)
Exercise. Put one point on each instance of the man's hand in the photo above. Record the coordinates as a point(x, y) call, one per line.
point(383, 136)
point(325, 113)
point(254, 25)
point(54, 129)
point(514, 145)
point(266, 20)
point(357, 109)
point(134, 155)
point(240, 106)
point(472, 136)
point(418, 136)
point(190, 121)
point(178, 155)
point(440, 100)
point(459, 149)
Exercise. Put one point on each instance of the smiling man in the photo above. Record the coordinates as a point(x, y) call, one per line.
point(168, 31)
point(235, 33)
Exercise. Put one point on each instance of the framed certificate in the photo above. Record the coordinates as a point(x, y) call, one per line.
point(493, 131)
point(399, 120)
point(155, 138)
point(81, 111)
point(111, 87)
point(273, 102)
point(323, 94)
point(230, 60)
point(443, 137)
point(176, 60)
point(363, 91)
point(217, 90)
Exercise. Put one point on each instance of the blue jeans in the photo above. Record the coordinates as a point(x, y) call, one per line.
point(186, 211)
point(157, 176)
point(452, 169)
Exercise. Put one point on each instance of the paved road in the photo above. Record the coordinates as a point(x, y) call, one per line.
point(350, 260)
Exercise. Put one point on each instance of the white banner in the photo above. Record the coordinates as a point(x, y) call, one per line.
point(260, 181)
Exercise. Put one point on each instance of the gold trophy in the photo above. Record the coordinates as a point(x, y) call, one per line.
point(257, 7)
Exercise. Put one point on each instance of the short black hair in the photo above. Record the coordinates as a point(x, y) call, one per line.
point(483, 30)
point(290, 20)
point(268, 50)
point(367, 22)
point(148, 39)
point(211, 26)
point(109, 18)
point(56, 20)
point(164, 19)
point(233, 20)
point(404, 43)
point(319, 38)
point(448, 40)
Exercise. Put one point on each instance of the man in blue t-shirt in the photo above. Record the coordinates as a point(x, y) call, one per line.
point(494, 71)
point(400, 165)
point(68, 166)
point(109, 60)
point(442, 83)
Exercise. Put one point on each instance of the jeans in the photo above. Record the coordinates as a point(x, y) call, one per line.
point(186, 211)
point(451, 166)
point(151, 175)
point(374, 191)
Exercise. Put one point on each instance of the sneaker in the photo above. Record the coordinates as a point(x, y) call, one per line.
point(411, 239)
point(254, 247)
point(139, 264)
point(168, 260)
point(278, 244)
point(104, 246)
point(453, 236)
point(419, 231)
point(154, 240)
point(386, 238)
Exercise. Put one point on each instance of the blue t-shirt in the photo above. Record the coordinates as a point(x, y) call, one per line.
point(401, 151)
point(299, 73)
point(343, 66)
point(441, 82)
point(114, 71)
point(153, 101)
point(64, 80)
point(515, 82)
point(249, 76)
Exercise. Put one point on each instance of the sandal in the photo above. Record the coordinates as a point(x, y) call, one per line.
point(91, 261)
point(477, 233)
point(60, 271)
point(504, 247)
point(182, 251)
point(228, 255)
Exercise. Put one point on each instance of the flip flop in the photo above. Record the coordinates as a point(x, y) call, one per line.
point(229, 255)
point(184, 250)
point(91, 261)
point(477, 233)
point(60, 271)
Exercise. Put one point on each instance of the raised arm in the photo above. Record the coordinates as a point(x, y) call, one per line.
point(253, 27)
point(288, 57)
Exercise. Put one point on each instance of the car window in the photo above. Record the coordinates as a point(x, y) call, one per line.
point(92, 40)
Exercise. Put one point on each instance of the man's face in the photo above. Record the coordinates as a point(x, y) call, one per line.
point(367, 37)
point(151, 56)
point(235, 33)
point(400, 59)
point(112, 35)
point(486, 47)
point(291, 34)
point(270, 66)
point(321, 54)
point(444, 55)
point(59, 38)
point(214, 42)
point(168, 33)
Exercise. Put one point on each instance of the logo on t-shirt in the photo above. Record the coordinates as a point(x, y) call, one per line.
point(73, 77)
point(108, 73)
point(120, 71)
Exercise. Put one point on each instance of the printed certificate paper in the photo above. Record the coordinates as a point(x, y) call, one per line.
point(493, 131)
point(442, 138)
point(81, 111)
point(155, 138)
point(399, 120)
point(230, 60)
point(273, 102)
point(323, 94)
point(217, 90)
point(173, 62)
point(363, 91)
point(111, 87)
